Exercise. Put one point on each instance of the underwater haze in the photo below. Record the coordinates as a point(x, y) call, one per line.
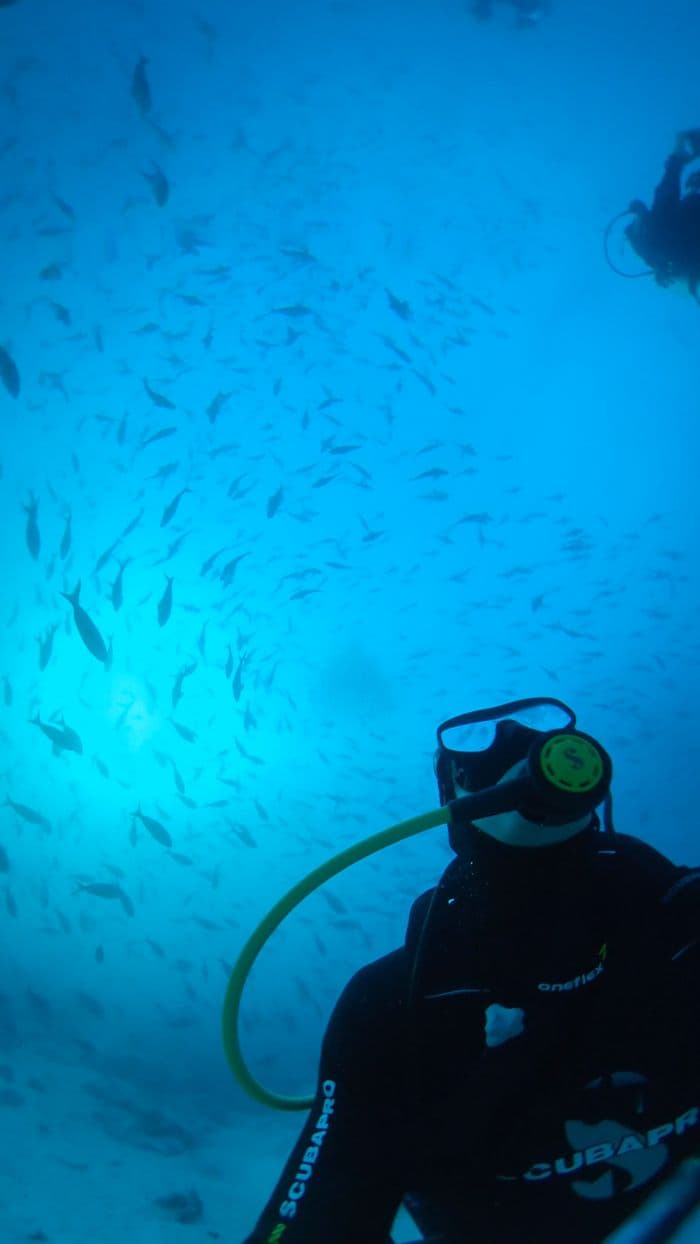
point(323, 418)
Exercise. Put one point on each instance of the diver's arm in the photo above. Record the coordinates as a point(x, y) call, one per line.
point(345, 1177)
point(668, 191)
point(681, 908)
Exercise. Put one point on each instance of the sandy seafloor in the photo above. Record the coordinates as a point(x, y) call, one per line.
point(64, 1175)
point(74, 1168)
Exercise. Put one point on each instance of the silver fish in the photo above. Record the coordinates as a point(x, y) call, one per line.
point(176, 694)
point(67, 538)
point(106, 889)
point(30, 815)
point(64, 738)
point(32, 529)
point(87, 630)
point(165, 604)
point(9, 373)
point(46, 647)
point(140, 90)
point(155, 829)
point(118, 585)
point(170, 509)
point(160, 188)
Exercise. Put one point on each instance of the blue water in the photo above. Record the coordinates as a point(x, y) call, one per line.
point(332, 280)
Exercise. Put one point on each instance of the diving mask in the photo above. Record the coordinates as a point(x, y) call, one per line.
point(476, 749)
point(562, 773)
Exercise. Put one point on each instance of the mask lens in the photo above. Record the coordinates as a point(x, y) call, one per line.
point(477, 749)
point(476, 736)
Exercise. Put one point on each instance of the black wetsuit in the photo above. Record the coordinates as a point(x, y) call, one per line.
point(667, 235)
point(527, 1067)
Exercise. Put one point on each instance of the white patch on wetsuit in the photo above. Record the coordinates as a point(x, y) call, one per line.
point(502, 1023)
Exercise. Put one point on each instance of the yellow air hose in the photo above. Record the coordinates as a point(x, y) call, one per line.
point(267, 926)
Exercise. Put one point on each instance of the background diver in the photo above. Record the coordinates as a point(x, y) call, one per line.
point(667, 235)
point(526, 1065)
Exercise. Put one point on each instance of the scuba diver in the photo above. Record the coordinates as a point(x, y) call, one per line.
point(526, 1066)
point(667, 235)
point(527, 12)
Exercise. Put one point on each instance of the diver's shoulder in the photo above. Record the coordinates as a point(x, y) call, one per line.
point(628, 847)
point(643, 870)
point(370, 1016)
point(381, 978)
